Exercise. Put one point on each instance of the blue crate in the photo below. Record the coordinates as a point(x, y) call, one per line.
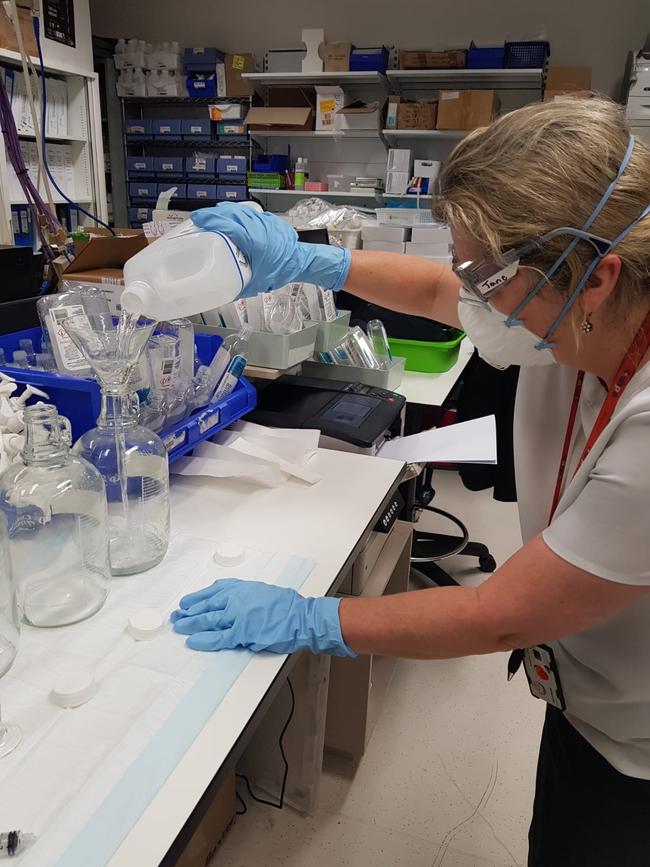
point(526, 55)
point(369, 59)
point(232, 192)
point(166, 128)
point(199, 128)
point(138, 130)
point(232, 165)
point(181, 190)
point(272, 163)
point(197, 166)
point(201, 59)
point(202, 192)
point(236, 128)
point(485, 58)
point(139, 167)
point(143, 190)
point(139, 215)
point(168, 165)
point(204, 85)
point(79, 399)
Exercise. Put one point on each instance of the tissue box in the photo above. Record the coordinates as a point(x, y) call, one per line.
point(202, 192)
point(198, 128)
point(200, 166)
point(143, 191)
point(168, 165)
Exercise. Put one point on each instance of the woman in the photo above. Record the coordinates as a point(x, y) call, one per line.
point(548, 209)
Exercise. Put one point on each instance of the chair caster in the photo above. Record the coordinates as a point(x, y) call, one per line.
point(487, 564)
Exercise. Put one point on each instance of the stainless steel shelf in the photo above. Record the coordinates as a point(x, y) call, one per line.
point(506, 79)
point(315, 78)
point(351, 194)
point(318, 134)
point(440, 134)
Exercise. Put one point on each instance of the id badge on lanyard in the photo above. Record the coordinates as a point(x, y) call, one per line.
point(539, 661)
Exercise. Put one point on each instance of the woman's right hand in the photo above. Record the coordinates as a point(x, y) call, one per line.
point(269, 243)
point(274, 253)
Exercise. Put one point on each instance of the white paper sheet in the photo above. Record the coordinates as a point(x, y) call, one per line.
point(308, 439)
point(469, 442)
point(220, 462)
point(254, 448)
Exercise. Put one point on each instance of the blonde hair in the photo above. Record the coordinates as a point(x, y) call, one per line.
point(547, 165)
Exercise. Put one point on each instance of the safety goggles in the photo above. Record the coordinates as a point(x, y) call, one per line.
point(483, 277)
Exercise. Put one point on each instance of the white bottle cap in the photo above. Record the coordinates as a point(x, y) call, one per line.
point(73, 689)
point(146, 624)
point(229, 554)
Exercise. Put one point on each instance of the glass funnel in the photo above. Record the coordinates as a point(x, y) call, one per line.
point(10, 734)
point(55, 507)
point(131, 459)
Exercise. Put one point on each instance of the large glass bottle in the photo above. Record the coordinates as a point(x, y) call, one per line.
point(132, 459)
point(136, 475)
point(55, 506)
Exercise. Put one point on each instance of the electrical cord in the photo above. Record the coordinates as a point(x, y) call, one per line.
point(280, 805)
point(37, 34)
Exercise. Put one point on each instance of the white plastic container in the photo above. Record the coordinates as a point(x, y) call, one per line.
point(183, 273)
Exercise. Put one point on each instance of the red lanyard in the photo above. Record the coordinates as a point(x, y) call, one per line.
point(624, 374)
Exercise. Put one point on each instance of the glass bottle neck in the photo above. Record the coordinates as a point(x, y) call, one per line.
point(47, 436)
point(118, 407)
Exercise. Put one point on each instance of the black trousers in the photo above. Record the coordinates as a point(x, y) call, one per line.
point(586, 813)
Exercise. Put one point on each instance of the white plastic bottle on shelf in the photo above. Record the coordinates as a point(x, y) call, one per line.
point(118, 55)
point(305, 168)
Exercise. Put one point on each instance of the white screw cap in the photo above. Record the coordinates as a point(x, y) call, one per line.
point(146, 624)
point(229, 554)
point(73, 689)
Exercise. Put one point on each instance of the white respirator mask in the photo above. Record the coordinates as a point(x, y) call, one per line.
point(497, 342)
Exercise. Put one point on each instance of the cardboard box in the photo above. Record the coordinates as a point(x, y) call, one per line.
point(335, 56)
point(385, 246)
point(197, 843)
point(427, 250)
point(359, 115)
point(435, 233)
point(100, 261)
point(289, 119)
point(561, 80)
point(452, 59)
point(329, 100)
point(395, 234)
point(415, 115)
point(465, 109)
point(8, 39)
point(229, 75)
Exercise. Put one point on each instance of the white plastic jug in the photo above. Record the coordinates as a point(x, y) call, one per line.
point(187, 271)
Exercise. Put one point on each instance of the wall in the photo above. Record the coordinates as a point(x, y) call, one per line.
point(582, 32)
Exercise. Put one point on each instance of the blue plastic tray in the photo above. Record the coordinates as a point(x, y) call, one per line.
point(79, 399)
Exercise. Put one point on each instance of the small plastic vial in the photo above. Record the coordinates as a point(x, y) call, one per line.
point(19, 358)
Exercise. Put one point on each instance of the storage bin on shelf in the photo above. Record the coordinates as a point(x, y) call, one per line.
point(389, 379)
point(404, 216)
point(277, 351)
point(526, 55)
point(485, 58)
point(330, 334)
point(426, 356)
point(79, 399)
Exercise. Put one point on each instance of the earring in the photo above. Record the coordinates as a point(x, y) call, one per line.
point(586, 326)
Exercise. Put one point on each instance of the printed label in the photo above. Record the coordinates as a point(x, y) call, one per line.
point(450, 94)
point(232, 168)
point(71, 358)
point(238, 62)
point(196, 129)
point(201, 194)
point(169, 371)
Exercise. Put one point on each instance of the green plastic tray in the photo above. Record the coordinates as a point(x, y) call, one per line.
point(427, 357)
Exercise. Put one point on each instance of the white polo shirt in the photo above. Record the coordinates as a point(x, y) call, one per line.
point(602, 525)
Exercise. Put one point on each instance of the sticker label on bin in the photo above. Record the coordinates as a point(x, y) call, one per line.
point(70, 357)
point(173, 441)
point(209, 420)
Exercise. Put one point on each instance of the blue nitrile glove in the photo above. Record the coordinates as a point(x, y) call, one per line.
point(273, 250)
point(233, 613)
